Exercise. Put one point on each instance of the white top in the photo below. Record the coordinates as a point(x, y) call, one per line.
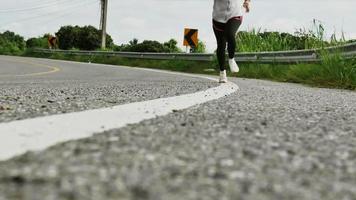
point(227, 9)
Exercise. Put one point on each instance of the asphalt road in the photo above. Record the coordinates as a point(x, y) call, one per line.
point(267, 141)
point(38, 87)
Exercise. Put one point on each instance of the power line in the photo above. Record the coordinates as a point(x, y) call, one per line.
point(48, 5)
point(64, 14)
point(39, 7)
point(30, 13)
point(81, 3)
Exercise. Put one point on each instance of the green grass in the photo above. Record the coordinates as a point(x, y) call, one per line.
point(256, 40)
point(173, 65)
point(333, 72)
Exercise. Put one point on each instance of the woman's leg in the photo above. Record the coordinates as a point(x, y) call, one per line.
point(230, 33)
point(221, 43)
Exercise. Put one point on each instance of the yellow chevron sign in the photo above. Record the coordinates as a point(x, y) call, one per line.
point(190, 37)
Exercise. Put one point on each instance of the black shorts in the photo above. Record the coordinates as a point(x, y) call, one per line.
point(218, 26)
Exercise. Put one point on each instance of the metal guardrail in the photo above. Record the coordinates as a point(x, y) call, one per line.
point(297, 56)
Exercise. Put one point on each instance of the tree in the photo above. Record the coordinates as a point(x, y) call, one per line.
point(39, 42)
point(88, 38)
point(11, 43)
point(17, 40)
point(67, 37)
point(84, 38)
point(171, 46)
point(201, 48)
point(149, 46)
point(133, 42)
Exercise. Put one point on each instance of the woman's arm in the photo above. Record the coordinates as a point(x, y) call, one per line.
point(247, 5)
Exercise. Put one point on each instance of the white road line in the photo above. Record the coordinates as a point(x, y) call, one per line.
point(131, 68)
point(18, 137)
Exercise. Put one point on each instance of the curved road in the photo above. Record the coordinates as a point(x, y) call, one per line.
point(38, 87)
point(267, 141)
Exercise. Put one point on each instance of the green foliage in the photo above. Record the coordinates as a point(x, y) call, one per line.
point(201, 48)
point(257, 41)
point(38, 42)
point(171, 46)
point(149, 46)
point(68, 37)
point(8, 48)
point(174, 65)
point(11, 43)
point(83, 38)
point(335, 71)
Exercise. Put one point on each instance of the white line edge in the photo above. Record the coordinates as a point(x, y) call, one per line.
point(36, 134)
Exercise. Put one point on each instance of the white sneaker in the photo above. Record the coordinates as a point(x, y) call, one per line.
point(223, 78)
point(233, 66)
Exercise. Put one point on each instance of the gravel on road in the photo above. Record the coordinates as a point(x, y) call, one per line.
point(79, 86)
point(268, 141)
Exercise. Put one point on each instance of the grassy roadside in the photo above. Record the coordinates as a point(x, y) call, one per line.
point(333, 72)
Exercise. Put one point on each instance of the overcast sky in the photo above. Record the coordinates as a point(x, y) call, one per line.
point(164, 19)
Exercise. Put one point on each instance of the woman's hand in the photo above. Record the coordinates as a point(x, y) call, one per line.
point(247, 5)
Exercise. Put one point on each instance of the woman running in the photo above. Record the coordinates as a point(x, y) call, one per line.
point(227, 18)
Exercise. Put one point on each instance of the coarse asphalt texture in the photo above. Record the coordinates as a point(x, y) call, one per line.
point(70, 87)
point(267, 141)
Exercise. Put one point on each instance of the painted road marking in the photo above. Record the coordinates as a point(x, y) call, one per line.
point(137, 68)
point(18, 137)
point(52, 69)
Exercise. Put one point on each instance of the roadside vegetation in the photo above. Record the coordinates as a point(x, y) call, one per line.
point(313, 37)
point(11, 43)
point(334, 71)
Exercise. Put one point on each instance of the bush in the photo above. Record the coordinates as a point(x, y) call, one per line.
point(257, 41)
point(39, 42)
point(83, 38)
point(149, 46)
point(11, 43)
point(201, 48)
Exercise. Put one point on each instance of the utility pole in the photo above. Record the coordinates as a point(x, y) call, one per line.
point(103, 19)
